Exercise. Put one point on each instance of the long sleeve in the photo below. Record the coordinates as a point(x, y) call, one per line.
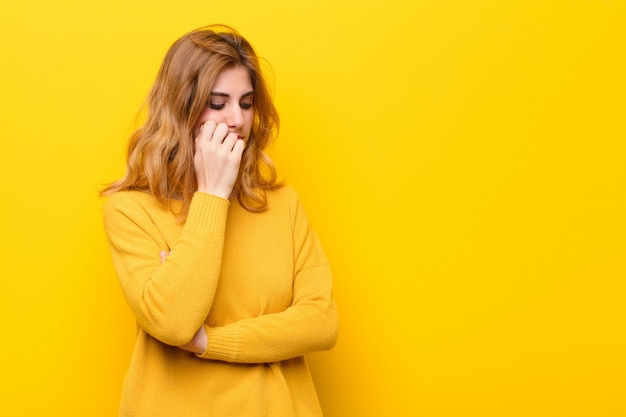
point(309, 324)
point(260, 285)
point(171, 300)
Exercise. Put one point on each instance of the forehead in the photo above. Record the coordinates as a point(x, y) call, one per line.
point(233, 81)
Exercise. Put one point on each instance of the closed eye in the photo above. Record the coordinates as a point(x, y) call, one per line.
point(245, 106)
point(246, 101)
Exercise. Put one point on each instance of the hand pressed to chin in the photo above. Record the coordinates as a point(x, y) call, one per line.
point(217, 159)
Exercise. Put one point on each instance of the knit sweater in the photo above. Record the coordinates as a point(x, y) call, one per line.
point(258, 282)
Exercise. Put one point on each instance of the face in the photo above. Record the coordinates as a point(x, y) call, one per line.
point(231, 102)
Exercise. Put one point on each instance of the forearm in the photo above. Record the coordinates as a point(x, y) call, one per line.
point(270, 338)
point(309, 325)
point(170, 300)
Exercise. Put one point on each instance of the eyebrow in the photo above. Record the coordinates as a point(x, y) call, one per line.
point(218, 94)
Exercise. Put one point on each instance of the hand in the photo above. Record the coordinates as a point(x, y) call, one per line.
point(217, 159)
point(199, 342)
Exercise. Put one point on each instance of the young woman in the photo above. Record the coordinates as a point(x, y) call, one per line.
point(228, 283)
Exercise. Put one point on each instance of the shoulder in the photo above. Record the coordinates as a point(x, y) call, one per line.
point(131, 204)
point(286, 203)
point(284, 198)
point(284, 193)
point(124, 200)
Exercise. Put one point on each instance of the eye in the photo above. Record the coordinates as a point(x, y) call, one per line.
point(246, 106)
point(216, 106)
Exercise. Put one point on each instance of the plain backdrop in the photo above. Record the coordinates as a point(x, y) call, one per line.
point(462, 162)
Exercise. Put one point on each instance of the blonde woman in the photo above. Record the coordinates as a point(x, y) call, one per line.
point(216, 259)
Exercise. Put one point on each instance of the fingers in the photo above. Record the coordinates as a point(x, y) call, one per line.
point(214, 133)
point(217, 157)
point(220, 132)
point(206, 132)
point(230, 140)
point(238, 147)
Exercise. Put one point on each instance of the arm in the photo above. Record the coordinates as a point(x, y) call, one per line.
point(170, 301)
point(199, 342)
point(309, 324)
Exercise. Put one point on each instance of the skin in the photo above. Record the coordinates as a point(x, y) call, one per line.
point(222, 131)
point(221, 134)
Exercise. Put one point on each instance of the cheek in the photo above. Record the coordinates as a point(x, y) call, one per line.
point(249, 120)
point(207, 114)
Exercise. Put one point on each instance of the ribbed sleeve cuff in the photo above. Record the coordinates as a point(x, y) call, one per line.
point(223, 344)
point(207, 212)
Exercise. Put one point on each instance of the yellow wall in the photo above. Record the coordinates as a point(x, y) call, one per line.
point(462, 161)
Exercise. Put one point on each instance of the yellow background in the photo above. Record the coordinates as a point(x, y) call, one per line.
point(462, 161)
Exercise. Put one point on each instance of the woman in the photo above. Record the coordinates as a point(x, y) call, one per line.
point(229, 285)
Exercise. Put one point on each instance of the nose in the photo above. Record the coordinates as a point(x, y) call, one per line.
point(234, 118)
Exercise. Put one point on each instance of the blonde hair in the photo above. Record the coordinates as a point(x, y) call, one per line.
point(160, 152)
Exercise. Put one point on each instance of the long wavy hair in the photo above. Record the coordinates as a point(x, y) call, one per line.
point(160, 152)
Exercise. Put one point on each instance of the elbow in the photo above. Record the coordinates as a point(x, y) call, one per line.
point(169, 327)
point(163, 307)
point(176, 336)
point(330, 332)
point(330, 339)
point(170, 332)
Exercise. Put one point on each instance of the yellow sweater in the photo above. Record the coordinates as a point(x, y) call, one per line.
point(258, 282)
